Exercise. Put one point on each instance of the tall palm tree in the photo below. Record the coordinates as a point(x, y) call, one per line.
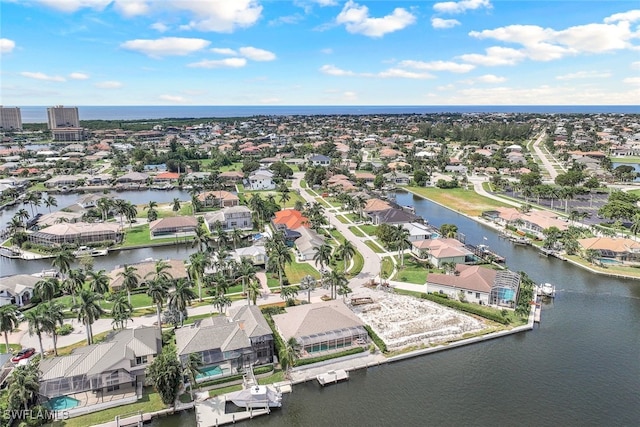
point(104, 204)
point(236, 237)
point(152, 213)
point(401, 237)
point(346, 251)
point(8, 322)
point(181, 296)
point(635, 224)
point(74, 282)
point(191, 367)
point(201, 239)
point(88, 310)
point(23, 386)
point(336, 279)
point(344, 290)
point(161, 271)
point(253, 291)
point(62, 261)
point(130, 212)
point(46, 288)
point(35, 319)
point(130, 279)
point(279, 257)
point(198, 262)
point(52, 318)
point(221, 301)
point(288, 293)
point(23, 215)
point(289, 354)
point(158, 291)
point(98, 281)
point(50, 201)
point(308, 283)
point(285, 197)
point(246, 272)
point(322, 255)
point(121, 310)
point(176, 204)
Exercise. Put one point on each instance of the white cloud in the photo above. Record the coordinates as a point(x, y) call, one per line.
point(495, 56)
point(74, 5)
point(78, 76)
point(130, 8)
point(165, 46)
point(160, 27)
point(256, 54)
point(403, 74)
point(42, 76)
point(349, 95)
point(635, 65)
point(357, 21)
point(453, 67)
point(461, 6)
point(632, 80)
point(630, 16)
point(490, 78)
point(326, 51)
point(109, 84)
point(584, 75)
point(177, 99)
point(7, 45)
point(335, 71)
point(220, 63)
point(287, 20)
point(219, 15)
point(440, 23)
point(224, 51)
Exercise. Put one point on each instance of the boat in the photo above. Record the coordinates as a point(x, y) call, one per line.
point(547, 290)
point(87, 251)
point(163, 187)
point(520, 240)
point(256, 396)
point(332, 377)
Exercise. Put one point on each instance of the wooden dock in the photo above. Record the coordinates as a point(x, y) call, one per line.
point(135, 420)
point(332, 377)
point(212, 413)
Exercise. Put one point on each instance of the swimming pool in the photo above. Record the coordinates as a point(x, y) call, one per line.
point(209, 371)
point(609, 261)
point(60, 403)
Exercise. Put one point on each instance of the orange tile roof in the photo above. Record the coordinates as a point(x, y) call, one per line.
point(291, 218)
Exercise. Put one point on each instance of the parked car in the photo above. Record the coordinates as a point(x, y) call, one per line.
point(25, 353)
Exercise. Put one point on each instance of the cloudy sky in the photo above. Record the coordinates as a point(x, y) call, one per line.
point(319, 52)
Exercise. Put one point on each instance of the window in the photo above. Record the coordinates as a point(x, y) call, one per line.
point(141, 360)
point(478, 295)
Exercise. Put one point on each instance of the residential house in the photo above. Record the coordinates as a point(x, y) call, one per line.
point(532, 222)
point(440, 251)
point(612, 249)
point(328, 326)
point(393, 216)
point(289, 218)
point(418, 231)
point(257, 254)
point(307, 243)
point(103, 375)
point(146, 271)
point(133, 177)
point(227, 344)
point(234, 217)
point(17, 289)
point(231, 177)
point(260, 179)
point(320, 160)
point(58, 217)
point(477, 284)
point(218, 199)
point(397, 178)
point(166, 177)
point(173, 226)
point(80, 233)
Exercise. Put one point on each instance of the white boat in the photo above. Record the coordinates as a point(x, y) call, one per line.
point(332, 377)
point(86, 250)
point(547, 289)
point(256, 396)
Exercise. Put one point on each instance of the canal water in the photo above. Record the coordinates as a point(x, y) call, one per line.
point(579, 367)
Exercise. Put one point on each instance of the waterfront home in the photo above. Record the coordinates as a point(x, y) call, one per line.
point(88, 201)
point(66, 180)
point(230, 218)
point(173, 226)
point(419, 231)
point(58, 217)
point(375, 205)
point(231, 177)
point(474, 283)
point(322, 327)
point(79, 233)
point(146, 270)
point(612, 249)
point(393, 216)
point(440, 251)
point(532, 222)
point(227, 344)
point(260, 179)
point(257, 254)
point(17, 289)
point(366, 177)
point(166, 177)
point(397, 178)
point(103, 375)
point(133, 177)
point(218, 199)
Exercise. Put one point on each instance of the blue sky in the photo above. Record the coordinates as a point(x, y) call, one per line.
point(319, 52)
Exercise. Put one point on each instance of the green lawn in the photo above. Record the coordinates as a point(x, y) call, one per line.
point(387, 267)
point(150, 402)
point(13, 347)
point(355, 230)
point(369, 229)
point(374, 247)
point(294, 272)
point(358, 263)
point(343, 219)
point(412, 272)
point(323, 202)
point(466, 201)
point(137, 301)
point(140, 236)
point(625, 159)
point(303, 183)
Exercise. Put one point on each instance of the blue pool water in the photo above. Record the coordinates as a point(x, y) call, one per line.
point(62, 402)
point(609, 261)
point(209, 372)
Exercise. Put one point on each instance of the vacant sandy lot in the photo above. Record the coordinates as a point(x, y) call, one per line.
point(403, 321)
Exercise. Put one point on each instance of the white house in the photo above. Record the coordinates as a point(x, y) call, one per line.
point(17, 289)
point(260, 179)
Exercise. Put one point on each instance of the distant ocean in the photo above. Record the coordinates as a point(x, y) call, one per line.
point(33, 114)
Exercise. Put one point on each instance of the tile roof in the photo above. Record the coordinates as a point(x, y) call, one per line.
point(317, 318)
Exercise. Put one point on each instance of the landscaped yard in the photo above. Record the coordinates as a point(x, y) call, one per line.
point(294, 272)
point(412, 272)
point(377, 249)
point(369, 229)
point(140, 236)
point(355, 230)
point(466, 201)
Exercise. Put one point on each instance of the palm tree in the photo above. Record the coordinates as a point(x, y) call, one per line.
point(591, 255)
point(62, 261)
point(160, 271)
point(104, 204)
point(46, 289)
point(152, 213)
point(285, 197)
point(236, 237)
point(288, 293)
point(344, 290)
point(253, 291)
point(220, 301)
point(322, 255)
point(289, 354)
point(246, 272)
point(130, 212)
point(308, 283)
point(130, 279)
point(121, 310)
point(23, 215)
point(279, 257)
point(401, 237)
point(176, 204)
point(158, 291)
point(335, 279)
point(35, 319)
point(449, 267)
point(98, 281)
point(201, 238)
point(88, 310)
point(74, 282)
point(8, 322)
point(50, 201)
point(181, 296)
point(23, 386)
point(53, 317)
point(346, 251)
point(198, 262)
point(191, 367)
point(635, 224)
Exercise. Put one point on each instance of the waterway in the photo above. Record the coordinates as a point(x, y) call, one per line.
point(579, 367)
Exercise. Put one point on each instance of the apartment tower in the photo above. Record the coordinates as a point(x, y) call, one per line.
point(10, 118)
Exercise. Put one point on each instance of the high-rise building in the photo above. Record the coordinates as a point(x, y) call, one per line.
point(10, 118)
point(64, 123)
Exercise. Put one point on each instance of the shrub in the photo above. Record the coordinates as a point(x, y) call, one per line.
point(309, 361)
point(262, 369)
point(376, 339)
point(65, 329)
point(467, 308)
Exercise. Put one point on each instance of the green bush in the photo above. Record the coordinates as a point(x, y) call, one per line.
point(65, 329)
point(221, 380)
point(258, 370)
point(376, 339)
point(309, 361)
point(467, 308)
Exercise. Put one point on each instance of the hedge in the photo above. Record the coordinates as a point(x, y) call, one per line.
point(309, 361)
point(262, 369)
point(467, 308)
point(376, 339)
point(221, 380)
